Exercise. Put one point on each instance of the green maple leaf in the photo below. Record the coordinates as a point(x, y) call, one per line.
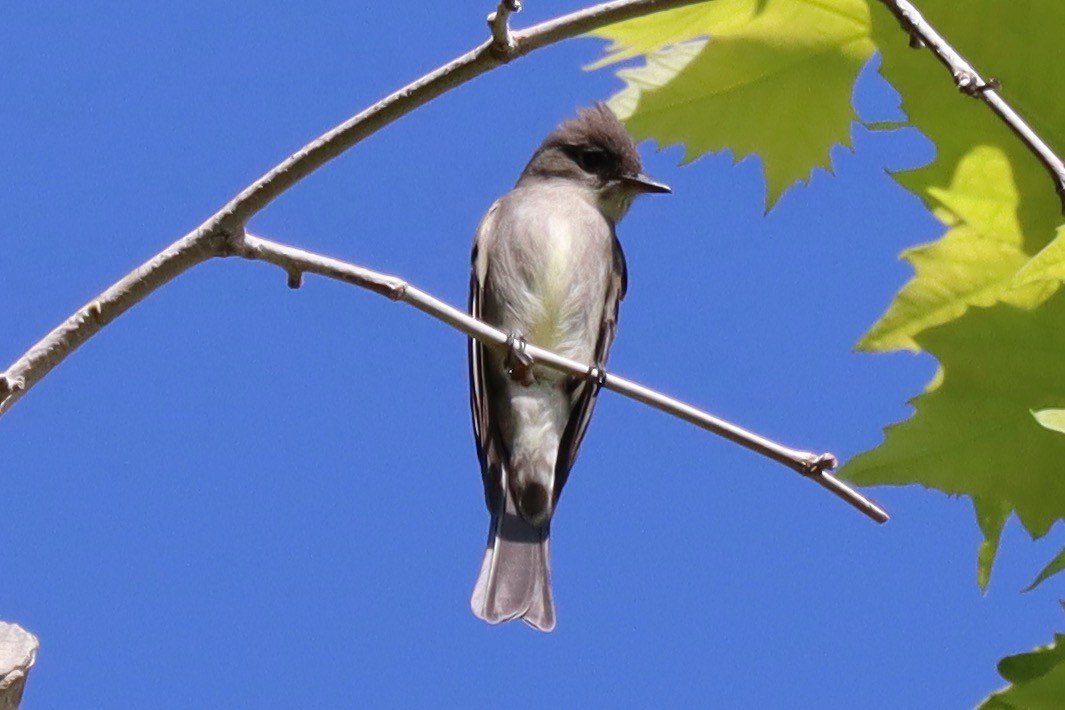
point(973, 432)
point(974, 264)
point(984, 184)
point(1007, 40)
point(774, 79)
point(1038, 680)
point(1001, 212)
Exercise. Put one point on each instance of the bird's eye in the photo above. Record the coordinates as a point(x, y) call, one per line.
point(592, 160)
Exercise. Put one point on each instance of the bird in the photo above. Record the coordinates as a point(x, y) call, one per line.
point(547, 269)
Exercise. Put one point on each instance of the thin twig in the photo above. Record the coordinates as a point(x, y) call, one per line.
point(970, 83)
point(499, 23)
point(297, 261)
point(221, 234)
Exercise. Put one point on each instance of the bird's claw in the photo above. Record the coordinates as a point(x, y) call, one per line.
point(518, 362)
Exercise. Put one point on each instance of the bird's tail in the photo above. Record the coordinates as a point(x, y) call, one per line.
point(515, 578)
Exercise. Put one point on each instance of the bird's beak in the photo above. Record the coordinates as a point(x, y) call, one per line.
point(645, 184)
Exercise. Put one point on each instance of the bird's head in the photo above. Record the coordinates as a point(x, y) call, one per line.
point(595, 152)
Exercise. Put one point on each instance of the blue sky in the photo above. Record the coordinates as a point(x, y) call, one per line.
point(239, 495)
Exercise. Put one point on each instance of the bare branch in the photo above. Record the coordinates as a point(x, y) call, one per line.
point(222, 233)
point(969, 82)
point(297, 261)
point(134, 287)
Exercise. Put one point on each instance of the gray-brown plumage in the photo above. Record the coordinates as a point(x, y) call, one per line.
point(547, 267)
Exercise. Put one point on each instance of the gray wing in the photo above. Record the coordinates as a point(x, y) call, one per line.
point(489, 447)
point(584, 393)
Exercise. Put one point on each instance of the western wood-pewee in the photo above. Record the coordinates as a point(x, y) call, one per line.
point(547, 268)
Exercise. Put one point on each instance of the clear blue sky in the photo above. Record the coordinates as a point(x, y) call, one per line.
point(239, 495)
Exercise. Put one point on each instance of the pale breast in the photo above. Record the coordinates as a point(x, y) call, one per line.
point(551, 260)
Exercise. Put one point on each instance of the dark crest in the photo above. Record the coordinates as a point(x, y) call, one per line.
point(595, 134)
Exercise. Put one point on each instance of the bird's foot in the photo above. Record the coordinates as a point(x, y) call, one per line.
point(518, 362)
